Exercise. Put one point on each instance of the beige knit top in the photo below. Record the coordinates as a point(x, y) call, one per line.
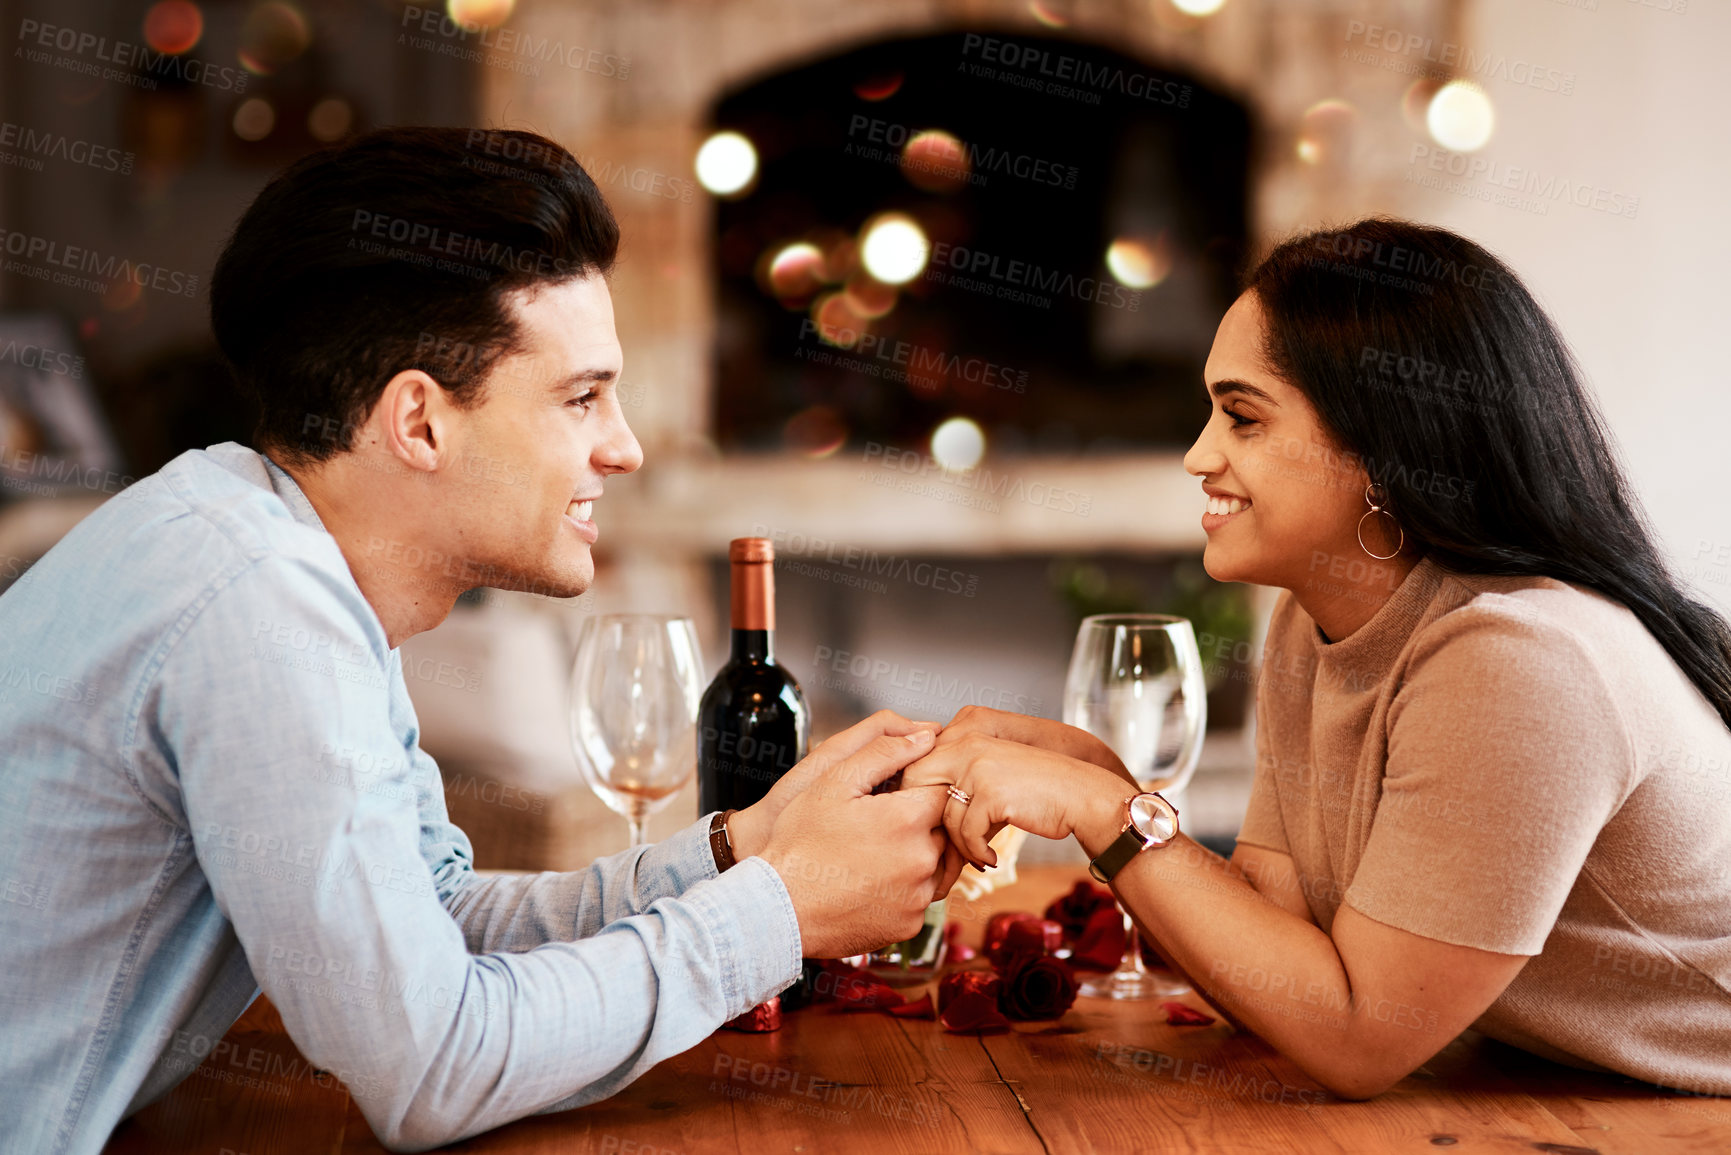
point(1516, 764)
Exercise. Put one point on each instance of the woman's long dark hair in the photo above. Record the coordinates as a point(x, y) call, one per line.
point(1427, 357)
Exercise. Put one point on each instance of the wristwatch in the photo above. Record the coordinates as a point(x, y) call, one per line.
point(721, 840)
point(1150, 822)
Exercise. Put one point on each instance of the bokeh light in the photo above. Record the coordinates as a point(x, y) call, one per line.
point(173, 26)
point(935, 161)
point(1415, 102)
point(254, 119)
point(876, 88)
point(1047, 13)
point(330, 119)
point(122, 293)
point(840, 253)
point(1199, 7)
point(870, 297)
point(816, 432)
point(1460, 116)
point(894, 248)
point(1139, 262)
point(1325, 131)
point(958, 444)
point(726, 164)
point(273, 34)
point(796, 272)
point(473, 14)
point(837, 322)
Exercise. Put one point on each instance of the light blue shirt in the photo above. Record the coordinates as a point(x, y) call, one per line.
point(211, 783)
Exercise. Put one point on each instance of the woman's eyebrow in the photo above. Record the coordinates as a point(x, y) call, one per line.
point(1222, 388)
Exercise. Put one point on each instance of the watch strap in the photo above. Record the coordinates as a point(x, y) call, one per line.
point(720, 842)
point(1117, 856)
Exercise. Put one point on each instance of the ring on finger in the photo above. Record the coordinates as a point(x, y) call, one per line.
point(959, 794)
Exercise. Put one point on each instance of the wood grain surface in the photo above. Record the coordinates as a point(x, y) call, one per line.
point(1107, 1077)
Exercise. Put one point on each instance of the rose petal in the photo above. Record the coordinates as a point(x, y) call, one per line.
point(1101, 946)
point(921, 1009)
point(977, 982)
point(759, 1019)
point(1183, 1015)
point(972, 1011)
point(853, 988)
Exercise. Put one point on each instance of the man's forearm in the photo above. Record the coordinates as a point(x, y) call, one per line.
point(514, 912)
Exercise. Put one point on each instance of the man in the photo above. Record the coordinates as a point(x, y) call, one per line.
point(210, 780)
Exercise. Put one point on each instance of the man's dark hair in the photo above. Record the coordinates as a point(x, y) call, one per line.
point(395, 251)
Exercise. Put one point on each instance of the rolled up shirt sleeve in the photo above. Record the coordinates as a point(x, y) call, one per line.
point(515, 912)
point(354, 901)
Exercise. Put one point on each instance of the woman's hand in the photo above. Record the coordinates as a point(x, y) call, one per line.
point(1040, 732)
point(1035, 789)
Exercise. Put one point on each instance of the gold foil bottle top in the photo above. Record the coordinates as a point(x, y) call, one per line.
point(753, 582)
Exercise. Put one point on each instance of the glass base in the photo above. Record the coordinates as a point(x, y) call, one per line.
point(1134, 984)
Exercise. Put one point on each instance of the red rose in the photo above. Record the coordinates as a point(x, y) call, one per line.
point(997, 926)
point(1040, 988)
point(1073, 911)
point(1027, 937)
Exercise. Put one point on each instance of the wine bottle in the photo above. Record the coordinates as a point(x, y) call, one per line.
point(752, 724)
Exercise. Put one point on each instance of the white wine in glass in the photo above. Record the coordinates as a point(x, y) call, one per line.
point(634, 690)
point(1136, 683)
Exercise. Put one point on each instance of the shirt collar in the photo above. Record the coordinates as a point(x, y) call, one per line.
point(298, 506)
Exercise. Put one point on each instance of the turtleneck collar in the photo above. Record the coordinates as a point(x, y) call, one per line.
point(1373, 647)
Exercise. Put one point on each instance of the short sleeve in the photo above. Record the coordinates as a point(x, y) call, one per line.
point(1263, 825)
point(1506, 756)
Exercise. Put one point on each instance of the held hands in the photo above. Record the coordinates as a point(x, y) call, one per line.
point(860, 868)
point(1041, 776)
point(1029, 731)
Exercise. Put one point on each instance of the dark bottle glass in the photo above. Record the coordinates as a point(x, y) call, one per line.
point(752, 724)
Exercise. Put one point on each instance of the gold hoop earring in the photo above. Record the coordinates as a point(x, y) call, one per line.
point(1376, 503)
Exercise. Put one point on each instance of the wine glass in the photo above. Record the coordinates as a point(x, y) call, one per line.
point(634, 690)
point(1136, 683)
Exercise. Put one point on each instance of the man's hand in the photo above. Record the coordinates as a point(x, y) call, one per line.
point(862, 868)
point(748, 831)
point(981, 721)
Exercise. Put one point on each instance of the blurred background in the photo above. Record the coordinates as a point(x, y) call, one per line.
point(922, 290)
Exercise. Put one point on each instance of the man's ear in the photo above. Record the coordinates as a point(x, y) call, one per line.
point(411, 420)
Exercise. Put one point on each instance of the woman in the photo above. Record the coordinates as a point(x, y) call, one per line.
point(1493, 782)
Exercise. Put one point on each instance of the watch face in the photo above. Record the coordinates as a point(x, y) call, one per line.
point(1154, 818)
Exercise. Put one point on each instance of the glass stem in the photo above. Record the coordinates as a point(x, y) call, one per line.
point(1132, 949)
point(639, 820)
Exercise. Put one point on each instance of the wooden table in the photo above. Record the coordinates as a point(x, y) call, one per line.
point(1107, 1077)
